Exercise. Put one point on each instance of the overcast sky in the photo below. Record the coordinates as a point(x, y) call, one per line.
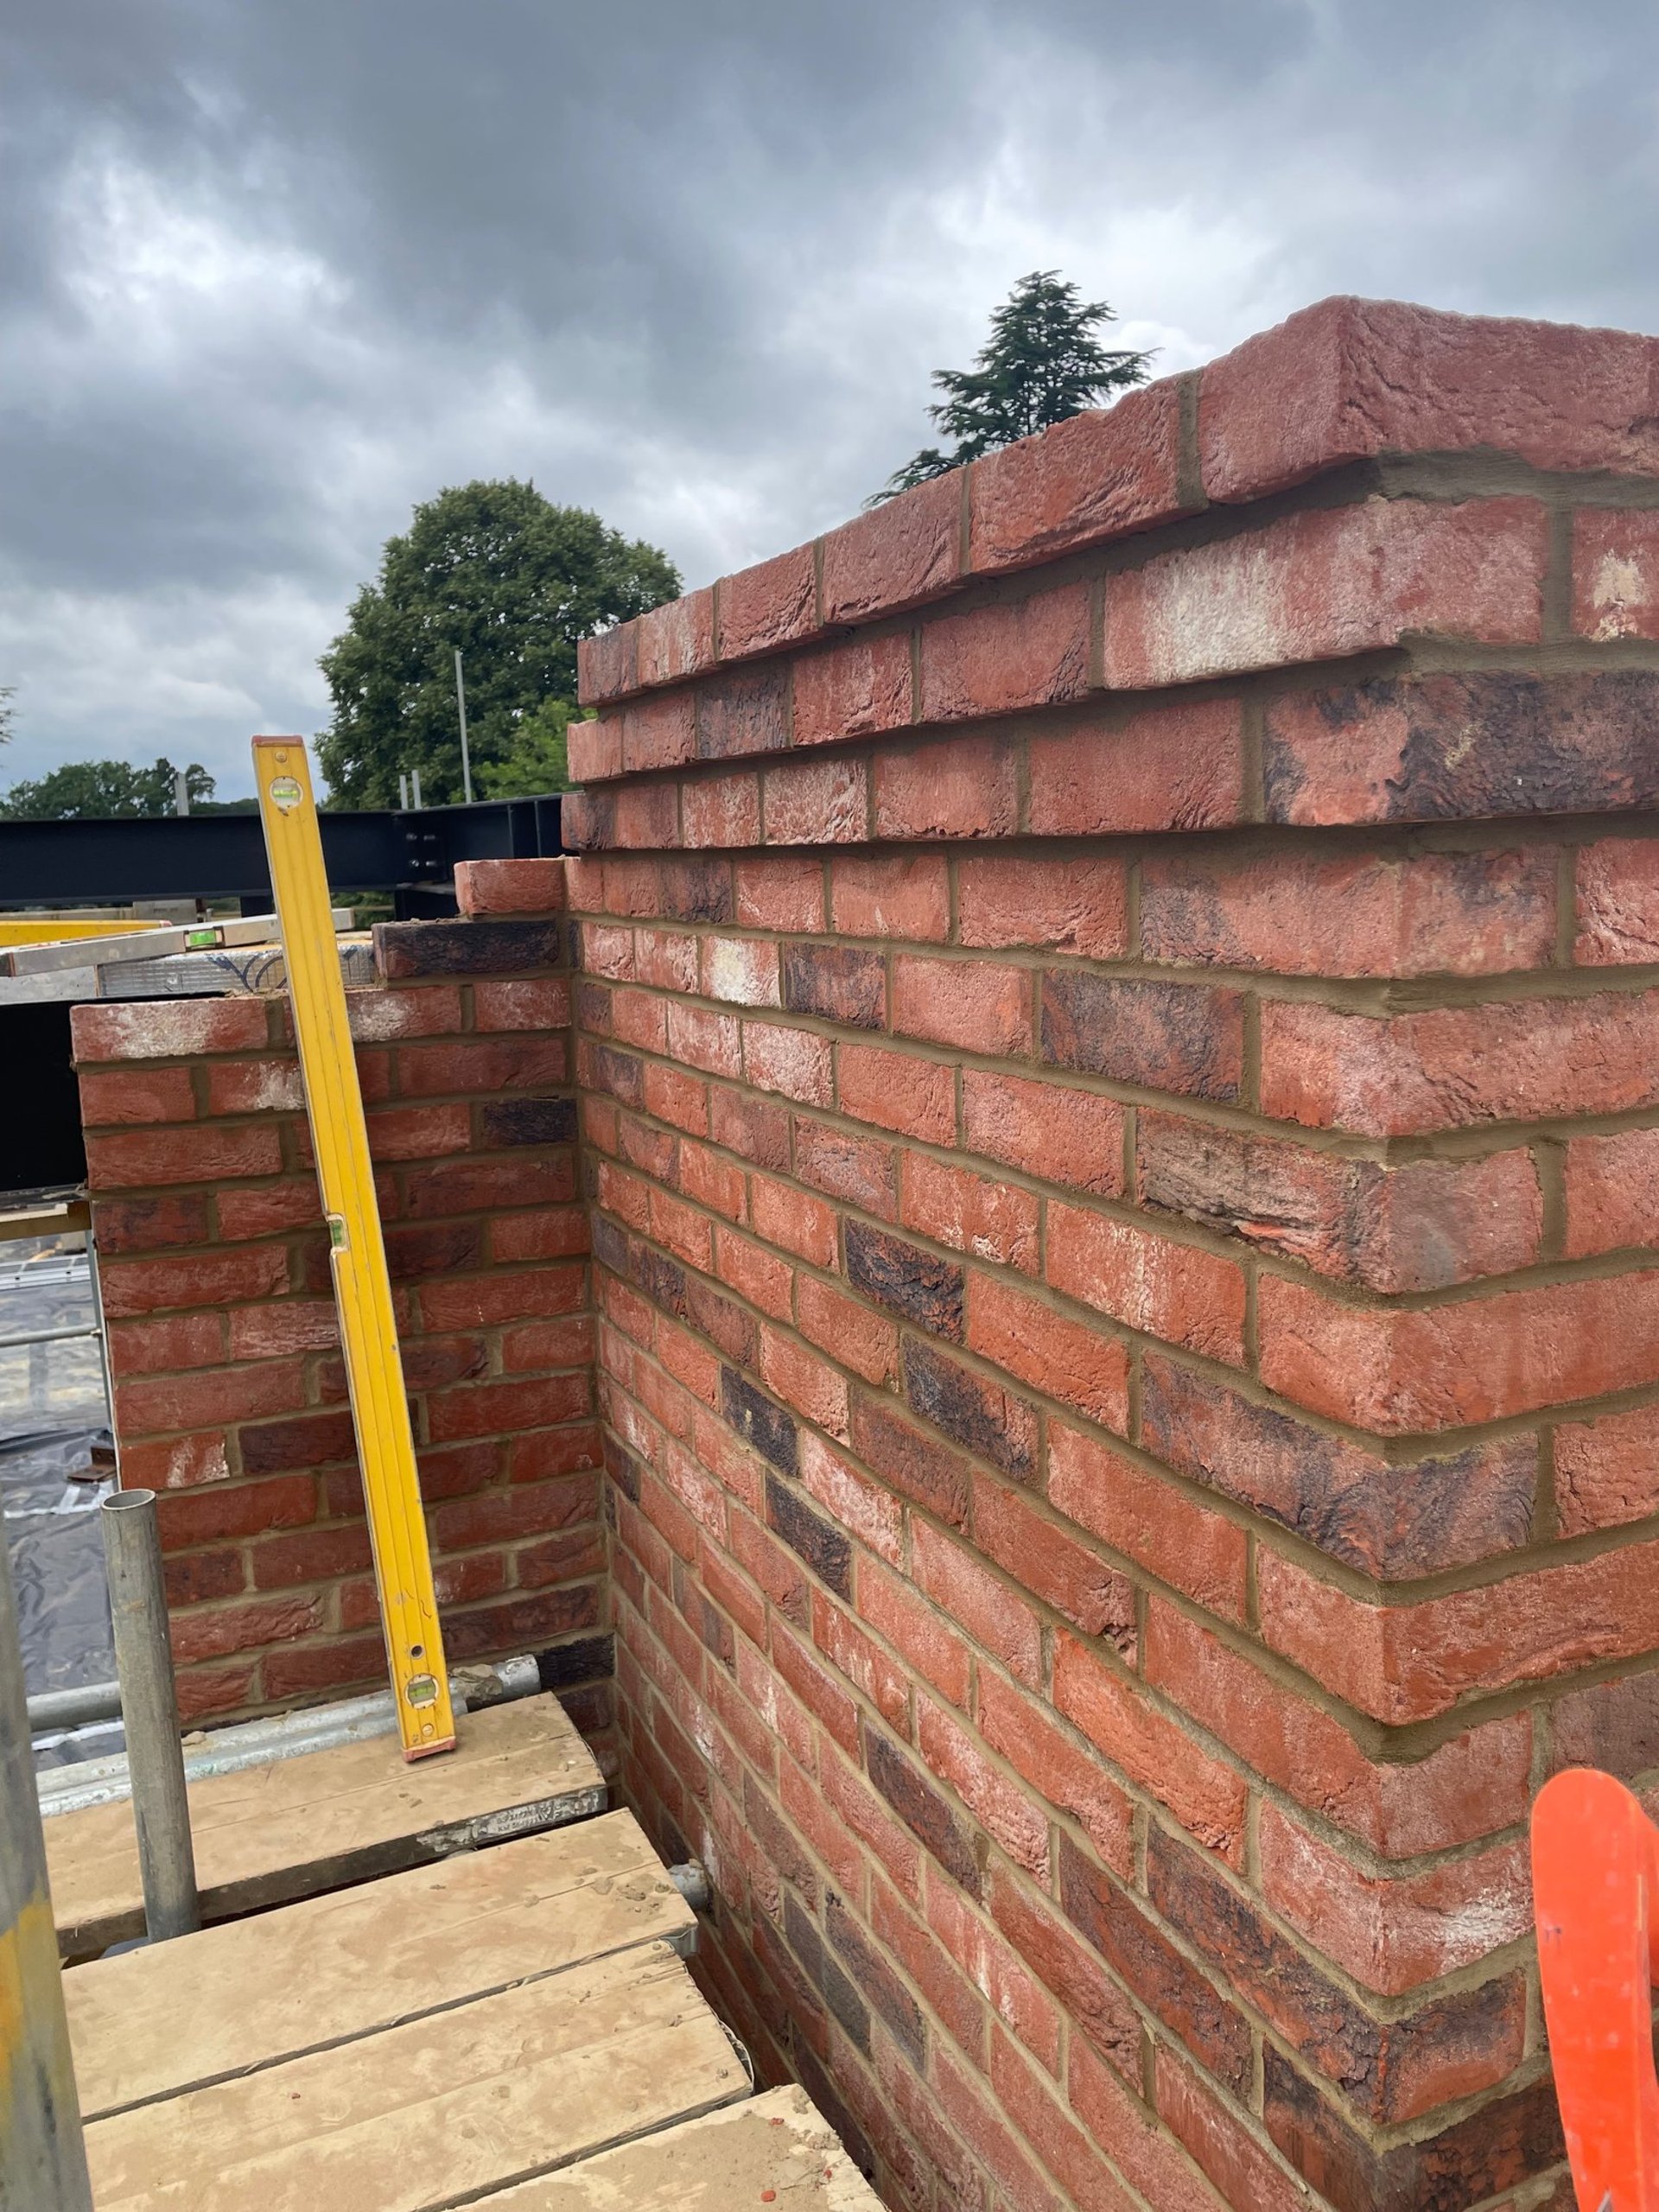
point(271, 270)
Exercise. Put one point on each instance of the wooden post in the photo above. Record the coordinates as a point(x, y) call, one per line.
point(42, 2155)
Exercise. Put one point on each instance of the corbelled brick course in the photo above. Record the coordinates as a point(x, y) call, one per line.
point(1116, 1042)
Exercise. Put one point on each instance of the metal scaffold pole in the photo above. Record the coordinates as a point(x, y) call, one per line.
point(43, 2153)
point(149, 1714)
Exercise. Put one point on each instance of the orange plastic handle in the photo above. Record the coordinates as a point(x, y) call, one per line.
point(1595, 1885)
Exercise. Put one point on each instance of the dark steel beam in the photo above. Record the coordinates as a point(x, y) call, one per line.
point(223, 856)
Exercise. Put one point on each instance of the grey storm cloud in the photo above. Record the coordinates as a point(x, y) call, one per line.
point(270, 273)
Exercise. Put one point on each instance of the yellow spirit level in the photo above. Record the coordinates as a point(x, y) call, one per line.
point(374, 1372)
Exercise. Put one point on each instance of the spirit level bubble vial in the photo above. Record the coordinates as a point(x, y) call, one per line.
point(374, 1372)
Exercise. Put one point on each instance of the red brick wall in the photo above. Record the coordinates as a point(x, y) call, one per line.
point(1119, 1035)
point(229, 1391)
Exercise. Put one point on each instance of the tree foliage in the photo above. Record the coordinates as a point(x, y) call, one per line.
point(103, 790)
point(8, 692)
point(1041, 363)
point(538, 759)
point(515, 582)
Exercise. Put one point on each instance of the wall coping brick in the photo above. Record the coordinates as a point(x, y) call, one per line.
point(1346, 381)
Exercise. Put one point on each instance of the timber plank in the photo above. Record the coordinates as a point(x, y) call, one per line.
point(727, 2159)
point(439, 2111)
point(155, 2023)
point(317, 1821)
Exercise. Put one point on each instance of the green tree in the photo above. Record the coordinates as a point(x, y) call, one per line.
point(514, 581)
point(8, 692)
point(94, 790)
point(536, 760)
point(1041, 363)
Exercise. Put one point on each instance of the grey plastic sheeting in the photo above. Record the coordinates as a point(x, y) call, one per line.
point(54, 1470)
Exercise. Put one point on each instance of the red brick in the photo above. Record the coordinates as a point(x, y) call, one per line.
point(1404, 1663)
point(1476, 1360)
point(541, 1003)
point(713, 1181)
point(1422, 1226)
point(658, 734)
point(1206, 1797)
point(1607, 1470)
point(1394, 1934)
point(209, 1397)
point(1071, 906)
point(204, 1691)
point(860, 1170)
point(140, 1159)
point(847, 1329)
point(1612, 1199)
point(1618, 902)
point(970, 1213)
point(1194, 1550)
point(383, 1016)
point(136, 1286)
point(1456, 1067)
point(1326, 583)
point(1350, 378)
point(913, 1462)
point(817, 802)
point(1241, 2169)
point(1096, 477)
point(168, 1029)
point(802, 1224)
point(1092, 2001)
point(504, 1294)
point(156, 1347)
point(1071, 1781)
point(594, 746)
point(898, 1090)
point(863, 1507)
point(1012, 654)
point(1045, 1129)
point(493, 1408)
point(996, 1615)
point(1360, 914)
point(742, 971)
point(1178, 767)
point(1066, 1360)
point(305, 1668)
point(687, 1233)
point(1119, 2123)
point(510, 886)
point(1178, 1036)
point(853, 689)
point(961, 787)
point(921, 1638)
point(720, 810)
point(540, 1233)
point(781, 891)
point(218, 1511)
point(1470, 1786)
point(907, 898)
point(977, 1005)
point(906, 550)
point(770, 605)
point(312, 1555)
point(541, 1344)
point(677, 640)
point(111, 1097)
point(755, 1273)
point(1176, 1292)
point(1054, 1567)
point(793, 1061)
point(666, 959)
point(1616, 573)
point(141, 1224)
point(804, 1380)
point(701, 1038)
point(490, 1064)
point(215, 1633)
point(1004, 1810)
point(419, 1132)
point(608, 665)
point(175, 1463)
